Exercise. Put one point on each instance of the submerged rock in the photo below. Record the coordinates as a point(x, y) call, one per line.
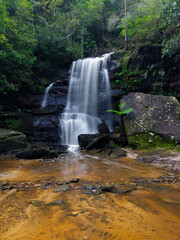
point(154, 119)
point(62, 188)
point(55, 203)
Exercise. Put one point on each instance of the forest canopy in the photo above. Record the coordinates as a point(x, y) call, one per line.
point(37, 37)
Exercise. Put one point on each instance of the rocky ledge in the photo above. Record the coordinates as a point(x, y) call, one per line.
point(15, 143)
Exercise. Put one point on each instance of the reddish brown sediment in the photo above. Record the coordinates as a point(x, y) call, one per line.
point(151, 211)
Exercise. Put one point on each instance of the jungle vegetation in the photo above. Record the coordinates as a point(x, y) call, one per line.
point(37, 37)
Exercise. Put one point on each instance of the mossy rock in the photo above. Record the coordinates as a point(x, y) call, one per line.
point(148, 140)
point(152, 113)
point(11, 140)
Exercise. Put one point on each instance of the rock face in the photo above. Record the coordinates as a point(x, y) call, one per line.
point(103, 128)
point(157, 116)
point(11, 140)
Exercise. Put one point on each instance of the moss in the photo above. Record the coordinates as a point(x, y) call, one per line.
point(148, 140)
point(112, 144)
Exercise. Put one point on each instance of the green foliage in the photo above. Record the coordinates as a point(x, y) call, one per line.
point(129, 77)
point(142, 21)
point(170, 13)
point(38, 37)
point(13, 124)
point(121, 111)
point(148, 141)
point(16, 44)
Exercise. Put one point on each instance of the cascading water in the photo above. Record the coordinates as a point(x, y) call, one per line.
point(46, 94)
point(88, 99)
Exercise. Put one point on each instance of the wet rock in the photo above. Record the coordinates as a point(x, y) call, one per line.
point(35, 153)
point(116, 93)
point(103, 128)
point(37, 203)
point(11, 140)
point(125, 189)
point(107, 152)
point(99, 142)
point(90, 187)
point(108, 188)
point(74, 180)
point(55, 203)
point(112, 144)
point(161, 159)
point(44, 111)
point(85, 139)
point(60, 148)
point(45, 129)
point(117, 138)
point(118, 152)
point(152, 115)
point(93, 192)
point(62, 188)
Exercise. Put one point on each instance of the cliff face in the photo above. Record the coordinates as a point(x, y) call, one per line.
point(147, 72)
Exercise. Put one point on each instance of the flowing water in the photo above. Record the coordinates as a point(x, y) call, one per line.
point(88, 99)
point(82, 195)
point(46, 94)
point(151, 211)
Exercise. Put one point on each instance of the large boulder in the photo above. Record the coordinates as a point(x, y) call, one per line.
point(99, 142)
point(85, 139)
point(154, 118)
point(103, 128)
point(11, 140)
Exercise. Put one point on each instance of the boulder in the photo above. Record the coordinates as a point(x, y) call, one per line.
point(118, 138)
point(99, 142)
point(11, 140)
point(103, 128)
point(35, 153)
point(118, 152)
point(155, 117)
point(85, 139)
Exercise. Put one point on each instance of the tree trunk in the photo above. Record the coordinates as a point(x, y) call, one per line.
point(125, 10)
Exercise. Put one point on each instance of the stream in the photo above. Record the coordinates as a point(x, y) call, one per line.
point(82, 195)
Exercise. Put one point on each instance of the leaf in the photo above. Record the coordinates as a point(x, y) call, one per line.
point(117, 112)
point(127, 111)
point(121, 106)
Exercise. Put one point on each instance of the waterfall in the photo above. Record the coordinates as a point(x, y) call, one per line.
point(88, 99)
point(44, 102)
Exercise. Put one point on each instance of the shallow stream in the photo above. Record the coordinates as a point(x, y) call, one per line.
point(85, 196)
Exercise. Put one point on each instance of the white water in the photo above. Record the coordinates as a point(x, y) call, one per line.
point(46, 94)
point(88, 99)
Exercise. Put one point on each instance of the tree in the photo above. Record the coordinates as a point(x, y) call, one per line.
point(170, 13)
point(87, 12)
point(16, 44)
point(143, 21)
